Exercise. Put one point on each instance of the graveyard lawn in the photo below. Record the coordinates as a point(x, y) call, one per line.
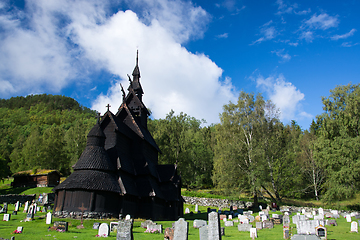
point(37, 229)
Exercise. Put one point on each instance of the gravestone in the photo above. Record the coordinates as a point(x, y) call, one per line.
point(20, 229)
point(222, 231)
point(251, 218)
point(286, 233)
point(104, 230)
point(229, 224)
point(124, 230)
point(26, 207)
point(286, 219)
point(127, 217)
point(259, 225)
point(30, 214)
point(113, 226)
point(17, 204)
point(155, 227)
point(304, 237)
point(4, 209)
point(48, 218)
point(263, 218)
point(169, 233)
point(146, 223)
point(196, 208)
point(321, 211)
point(204, 233)
point(96, 225)
point(244, 227)
point(199, 223)
point(348, 218)
point(214, 226)
point(187, 210)
point(6, 217)
point(268, 224)
point(230, 217)
point(354, 227)
point(276, 221)
point(307, 227)
point(332, 222)
point(253, 233)
point(181, 229)
point(321, 232)
point(61, 225)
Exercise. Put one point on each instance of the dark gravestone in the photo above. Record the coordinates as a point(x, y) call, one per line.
point(125, 230)
point(169, 233)
point(276, 221)
point(96, 225)
point(61, 225)
point(181, 229)
point(222, 231)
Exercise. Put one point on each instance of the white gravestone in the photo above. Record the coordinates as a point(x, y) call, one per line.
point(104, 230)
point(26, 206)
point(127, 217)
point(20, 229)
point(348, 218)
point(321, 211)
point(187, 210)
point(48, 218)
point(196, 208)
point(253, 233)
point(214, 226)
point(17, 204)
point(181, 229)
point(6, 217)
point(354, 226)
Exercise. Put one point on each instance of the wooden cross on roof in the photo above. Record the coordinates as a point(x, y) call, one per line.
point(108, 107)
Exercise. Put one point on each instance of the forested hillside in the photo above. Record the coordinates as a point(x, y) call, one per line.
point(250, 151)
point(42, 131)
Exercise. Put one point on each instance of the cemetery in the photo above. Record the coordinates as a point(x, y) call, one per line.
point(39, 223)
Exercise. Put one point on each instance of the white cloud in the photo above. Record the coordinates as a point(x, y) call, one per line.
point(284, 94)
point(346, 35)
point(285, 57)
point(267, 31)
point(307, 35)
point(322, 21)
point(224, 35)
point(64, 41)
point(284, 8)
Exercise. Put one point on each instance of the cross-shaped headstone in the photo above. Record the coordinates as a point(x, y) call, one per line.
point(108, 107)
point(82, 208)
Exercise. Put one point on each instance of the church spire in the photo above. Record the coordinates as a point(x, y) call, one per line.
point(135, 84)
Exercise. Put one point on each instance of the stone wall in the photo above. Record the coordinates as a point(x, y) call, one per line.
point(219, 203)
point(13, 198)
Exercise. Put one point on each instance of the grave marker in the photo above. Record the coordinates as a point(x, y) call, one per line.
point(96, 225)
point(268, 224)
point(348, 218)
point(214, 226)
point(204, 233)
point(253, 233)
point(181, 229)
point(229, 224)
point(61, 225)
point(48, 218)
point(199, 223)
point(307, 227)
point(113, 226)
point(6, 217)
point(354, 227)
point(104, 230)
point(321, 232)
point(124, 230)
point(244, 227)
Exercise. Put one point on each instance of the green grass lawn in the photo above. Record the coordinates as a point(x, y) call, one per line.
point(37, 229)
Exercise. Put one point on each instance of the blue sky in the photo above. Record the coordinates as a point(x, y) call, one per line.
point(194, 57)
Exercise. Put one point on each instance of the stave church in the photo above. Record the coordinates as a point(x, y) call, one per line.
point(118, 172)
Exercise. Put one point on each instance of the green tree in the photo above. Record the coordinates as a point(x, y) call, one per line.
point(238, 160)
point(338, 142)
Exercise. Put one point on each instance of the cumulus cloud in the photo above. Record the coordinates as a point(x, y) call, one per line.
point(284, 94)
point(63, 42)
point(343, 36)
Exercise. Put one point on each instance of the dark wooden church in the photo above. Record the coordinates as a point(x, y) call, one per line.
point(118, 172)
